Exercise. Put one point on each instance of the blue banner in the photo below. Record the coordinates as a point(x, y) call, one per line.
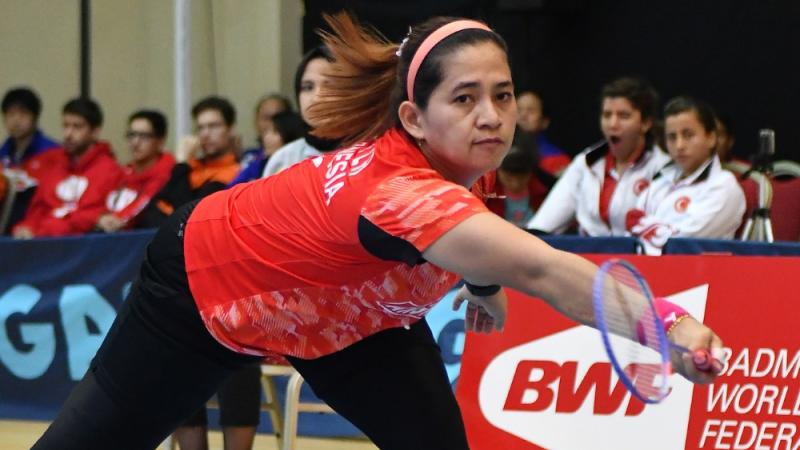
point(58, 298)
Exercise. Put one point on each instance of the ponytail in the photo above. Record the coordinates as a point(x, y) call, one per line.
point(361, 88)
point(367, 81)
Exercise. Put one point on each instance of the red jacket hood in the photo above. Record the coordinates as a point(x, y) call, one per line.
point(97, 150)
point(163, 165)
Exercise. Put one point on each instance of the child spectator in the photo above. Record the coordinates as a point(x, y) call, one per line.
point(533, 118)
point(507, 200)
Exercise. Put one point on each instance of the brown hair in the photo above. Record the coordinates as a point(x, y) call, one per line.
point(367, 81)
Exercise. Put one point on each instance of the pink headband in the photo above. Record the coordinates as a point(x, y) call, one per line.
point(431, 41)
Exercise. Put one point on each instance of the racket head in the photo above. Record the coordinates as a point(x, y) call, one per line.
point(631, 330)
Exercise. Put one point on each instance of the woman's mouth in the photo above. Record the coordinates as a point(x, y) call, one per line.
point(485, 141)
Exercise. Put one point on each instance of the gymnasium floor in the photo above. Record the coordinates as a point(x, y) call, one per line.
point(20, 435)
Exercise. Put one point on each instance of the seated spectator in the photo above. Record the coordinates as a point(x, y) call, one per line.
point(533, 119)
point(210, 168)
point(308, 80)
point(692, 196)
point(73, 188)
point(24, 153)
point(284, 127)
point(604, 181)
point(267, 107)
point(518, 190)
point(726, 138)
point(144, 176)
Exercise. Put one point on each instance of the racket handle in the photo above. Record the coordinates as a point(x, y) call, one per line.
point(702, 360)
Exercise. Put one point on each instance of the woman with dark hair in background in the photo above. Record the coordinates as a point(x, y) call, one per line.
point(282, 128)
point(693, 196)
point(266, 108)
point(604, 181)
point(334, 261)
point(309, 80)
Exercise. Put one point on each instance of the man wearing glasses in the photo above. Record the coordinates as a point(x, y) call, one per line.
point(210, 167)
point(144, 176)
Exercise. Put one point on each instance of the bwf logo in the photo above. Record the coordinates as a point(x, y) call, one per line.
point(560, 392)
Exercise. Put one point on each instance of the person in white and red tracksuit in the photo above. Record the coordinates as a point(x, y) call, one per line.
point(693, 196)
point(603, 182)
point(72, 192)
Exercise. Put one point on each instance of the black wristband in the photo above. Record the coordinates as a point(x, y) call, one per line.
point(483, 291)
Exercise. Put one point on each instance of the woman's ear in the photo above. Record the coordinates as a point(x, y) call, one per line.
point(411, 119)
point(647, 125)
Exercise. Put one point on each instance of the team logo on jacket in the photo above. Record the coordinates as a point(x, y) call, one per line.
point(682, 204)
point(640, 185)
point(120, 199)
point(71, 188)
point(404, 309)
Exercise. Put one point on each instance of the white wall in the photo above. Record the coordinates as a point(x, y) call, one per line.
point(240, 49)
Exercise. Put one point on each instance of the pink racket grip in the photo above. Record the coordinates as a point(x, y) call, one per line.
point(705, 361)
point(702, 360)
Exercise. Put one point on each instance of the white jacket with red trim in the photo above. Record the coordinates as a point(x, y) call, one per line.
point(576, 195)
point(708, 203)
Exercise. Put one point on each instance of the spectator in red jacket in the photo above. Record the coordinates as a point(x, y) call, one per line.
point(72, 190)
point(144, 176)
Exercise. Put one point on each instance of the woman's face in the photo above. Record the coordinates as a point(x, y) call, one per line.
point(271, 140)
point(623, 127)
point(469, 122)
point(310, 85)
point(529, 110)
point(688, 143)
point(266, 110)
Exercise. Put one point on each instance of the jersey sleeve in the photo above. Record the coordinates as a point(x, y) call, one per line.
point(419, 209)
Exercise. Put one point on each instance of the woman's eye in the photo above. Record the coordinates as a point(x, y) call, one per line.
point(462, 98)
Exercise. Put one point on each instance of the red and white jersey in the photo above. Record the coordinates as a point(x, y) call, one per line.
point(136, 189)
point(326, 252)
point(592, 192)
point(71, 193)
point(708, 203)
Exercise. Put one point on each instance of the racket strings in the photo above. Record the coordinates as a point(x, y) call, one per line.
point(628, 314)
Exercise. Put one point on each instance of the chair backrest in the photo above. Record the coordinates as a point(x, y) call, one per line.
point(737, 167)
point(785, 211)
point(786, 169)
point(756, 224)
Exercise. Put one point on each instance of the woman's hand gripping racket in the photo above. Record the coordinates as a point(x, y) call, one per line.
point(634, 333)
